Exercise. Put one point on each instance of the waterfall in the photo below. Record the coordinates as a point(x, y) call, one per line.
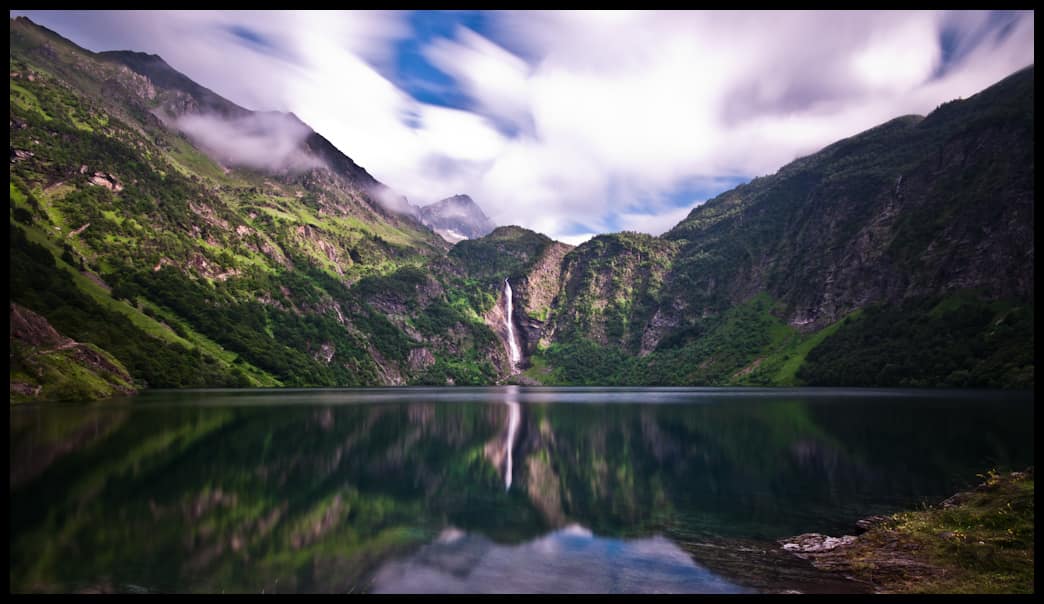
point(514, 415)
point(512, 344)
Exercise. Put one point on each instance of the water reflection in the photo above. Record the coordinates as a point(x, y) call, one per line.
point(568, 560)
point(514, 413)
point(264, 490)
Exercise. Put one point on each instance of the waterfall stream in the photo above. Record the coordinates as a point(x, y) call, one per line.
point(515, 355)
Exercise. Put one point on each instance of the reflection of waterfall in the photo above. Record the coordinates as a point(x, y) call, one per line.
point(512, 344)
point(514, 414)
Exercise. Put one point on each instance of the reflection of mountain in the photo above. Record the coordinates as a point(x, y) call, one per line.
point(758, 469)
point(68, 430)
point(241, 492)
point(569, 560)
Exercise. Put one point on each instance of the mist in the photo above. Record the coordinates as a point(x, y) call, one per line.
point(271, 141)
point(393, 200)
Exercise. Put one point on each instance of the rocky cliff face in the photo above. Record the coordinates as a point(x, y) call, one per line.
point(609, 288)
point(538, 292)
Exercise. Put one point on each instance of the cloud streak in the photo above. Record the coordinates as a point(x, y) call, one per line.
point(592, 121)
point(265, 141)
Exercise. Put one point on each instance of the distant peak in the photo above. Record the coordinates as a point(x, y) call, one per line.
point(459, 214)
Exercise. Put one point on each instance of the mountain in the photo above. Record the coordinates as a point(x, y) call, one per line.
point(910, 243)
point(456, 218)
point(203, 244)
point(170, 238)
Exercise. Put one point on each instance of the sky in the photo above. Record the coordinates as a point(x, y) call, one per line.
point(575, 123)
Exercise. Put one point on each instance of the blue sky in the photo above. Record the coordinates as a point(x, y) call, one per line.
point(575, 123)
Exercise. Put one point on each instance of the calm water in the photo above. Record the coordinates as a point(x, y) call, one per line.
point(408, 490)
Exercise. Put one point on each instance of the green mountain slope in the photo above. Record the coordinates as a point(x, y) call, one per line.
point(913, 207)
point(126, 235)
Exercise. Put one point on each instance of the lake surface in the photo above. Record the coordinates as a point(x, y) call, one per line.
point(480, 489)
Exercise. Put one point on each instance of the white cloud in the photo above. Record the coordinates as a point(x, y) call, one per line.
point(609, 109)
point(898, 59)
point(575, 239)
point(495, 78)
point(655, 224)
point(459, 134)
point(270, 141)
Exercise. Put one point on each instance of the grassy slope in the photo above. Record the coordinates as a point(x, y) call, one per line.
point(779, 367)
point(984, 544)
point(60, 376)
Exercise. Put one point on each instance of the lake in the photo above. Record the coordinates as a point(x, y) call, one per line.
point(507, 489)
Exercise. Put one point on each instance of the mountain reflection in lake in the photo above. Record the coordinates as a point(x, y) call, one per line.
point(608, 490)
point(569, 560)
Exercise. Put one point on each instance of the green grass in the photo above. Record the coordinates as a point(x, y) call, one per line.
point(80, 125)
point(259, 377)
point(780, 367)
point(46, 200)
point(540, 371)
point(141, 321)
point(102, 297)
point(188, 161)
point(113, 216)
point(18, 197)
point(61, 376)
point(787, 372)
point(27, 101)
point(982, 545)
point(388, 233)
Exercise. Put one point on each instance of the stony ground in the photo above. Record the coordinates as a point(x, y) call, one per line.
point(978, 541)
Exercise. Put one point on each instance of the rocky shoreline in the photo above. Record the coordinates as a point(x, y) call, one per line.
point(962, 545)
